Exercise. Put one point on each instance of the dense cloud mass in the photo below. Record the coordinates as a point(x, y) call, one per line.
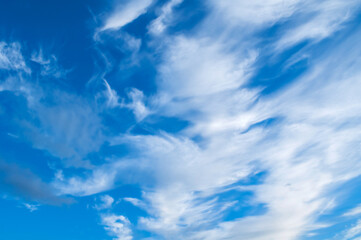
point(183, 119)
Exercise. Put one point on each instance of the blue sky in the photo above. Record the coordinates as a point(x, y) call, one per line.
point(177, 119)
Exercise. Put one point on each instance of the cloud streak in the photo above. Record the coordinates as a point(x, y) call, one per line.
point(125, 13)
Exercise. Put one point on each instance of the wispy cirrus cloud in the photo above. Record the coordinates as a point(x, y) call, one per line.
point(125, 13)
point(296, 152)
point(62, 127)
point(353, 233)
point(158, 25)
point(324, 20)
point(204, 79)
point(256, 12)
point(11, 57)
point(353, 212)
point(303, 137)
point(49, 65)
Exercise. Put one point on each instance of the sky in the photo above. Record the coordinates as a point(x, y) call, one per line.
point(180, 119)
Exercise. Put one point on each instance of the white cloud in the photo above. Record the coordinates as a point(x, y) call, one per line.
point(136, 101)
point(326, 18)
point(49, 65)
point(301, 20)
point(136, 202)
point(158, 25)
point(353, 232)
point(11, 57)
point(117, 226)
point(126, 13)
point(99, 180)
point(255, 12)
point(353, 212)
point(31, 207)
point(202, 79)
point(65, 125)
point(357, 238)
point(195, 67)
point(137, 104)
point(312, 148)
point(308, 152)
point(22, 87)
point(106, 202)
point(111, 96)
